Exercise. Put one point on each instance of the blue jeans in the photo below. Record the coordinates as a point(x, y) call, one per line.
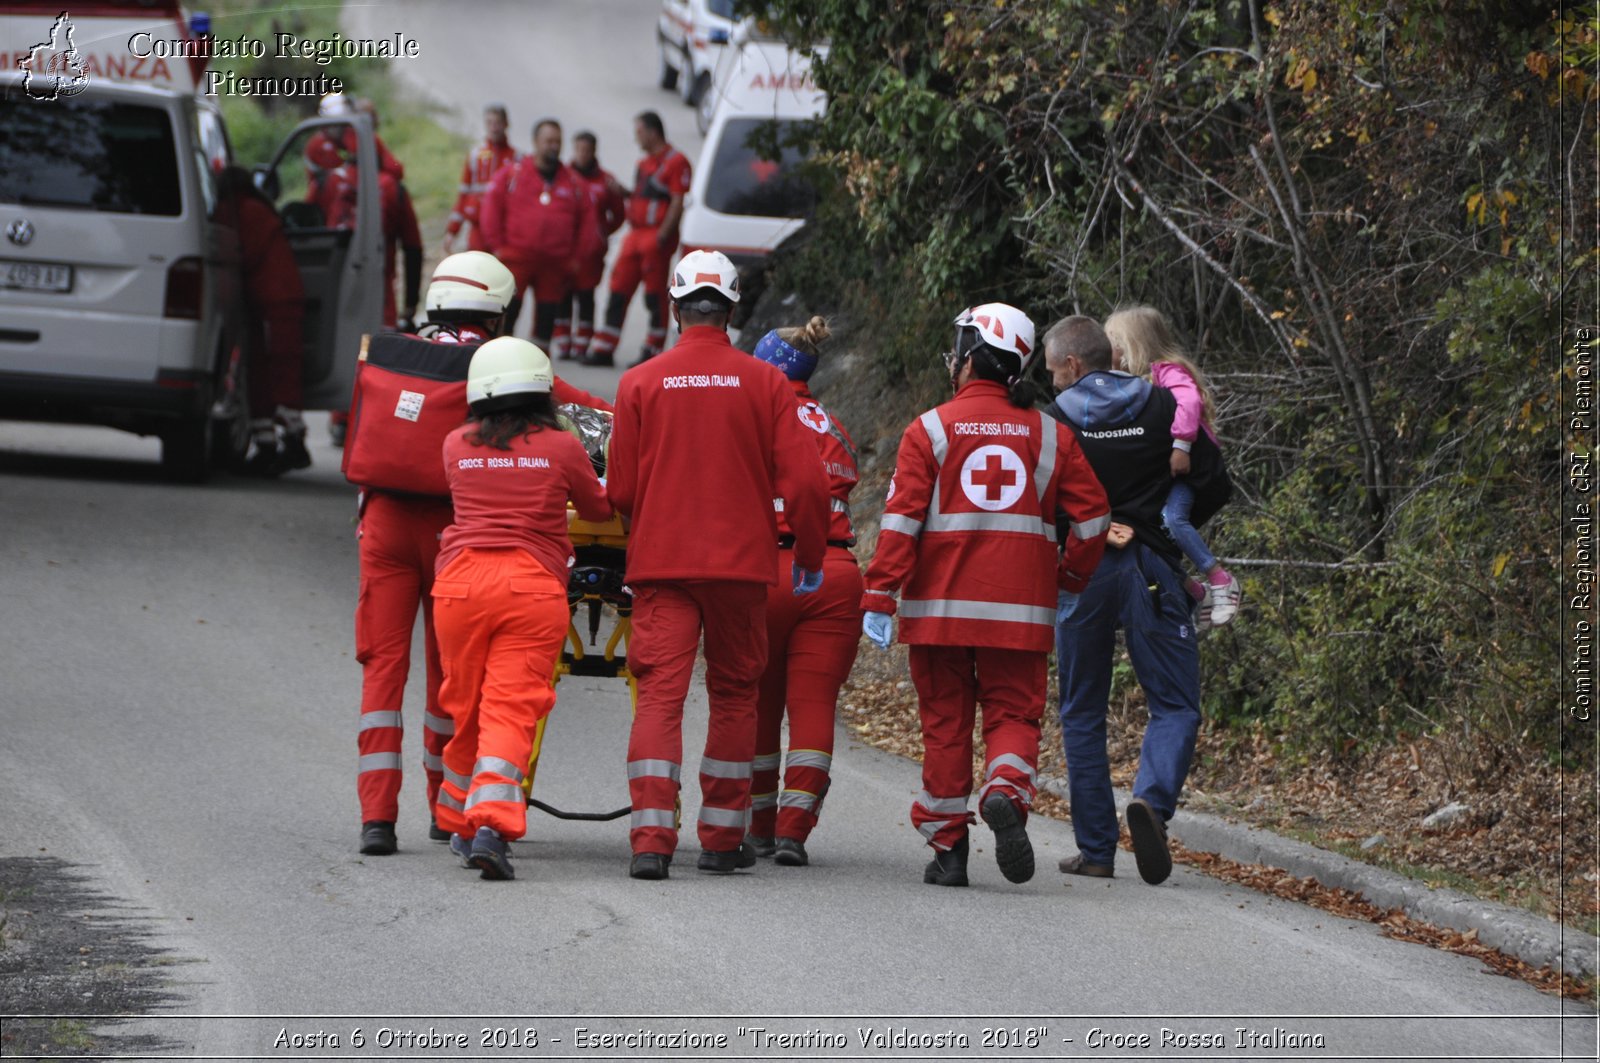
point(1138, 591)
point(1175, 518)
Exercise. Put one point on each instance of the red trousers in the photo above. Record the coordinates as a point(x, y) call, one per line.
point(277, 357)
point(398, 543)
point(811, 645)
point(641, 258)
point(668, 619)
point(502, 618)
point(551, 281)
point(950, 682)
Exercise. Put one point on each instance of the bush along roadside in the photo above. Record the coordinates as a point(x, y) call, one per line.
point(1353, 218)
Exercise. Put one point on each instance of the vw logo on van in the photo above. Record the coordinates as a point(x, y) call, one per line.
point(20, 232)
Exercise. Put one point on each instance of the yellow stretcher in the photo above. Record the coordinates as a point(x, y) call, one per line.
point(594, 586)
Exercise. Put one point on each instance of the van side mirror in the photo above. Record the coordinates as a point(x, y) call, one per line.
point(266, 182)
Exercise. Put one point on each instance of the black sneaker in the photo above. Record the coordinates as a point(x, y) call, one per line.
point(948, 866)
point(644, 356)
point(726, 861)
point(377, 838)
point(294, 454)
point(336, 433)
point(649, 865)
point(1012, 849)
point(603, 359)
point(490, 855)
point(461, 846)
point(1149, 836)
point(791, 853)
point(437, 833)
point(762, 844)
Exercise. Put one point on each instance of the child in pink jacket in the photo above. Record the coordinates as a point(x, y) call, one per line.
point(1142, 344)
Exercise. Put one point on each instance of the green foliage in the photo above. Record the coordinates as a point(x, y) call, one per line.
point(1368, 222)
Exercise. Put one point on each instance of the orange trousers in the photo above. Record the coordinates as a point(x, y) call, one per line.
point(811, 644)
point(501, 618)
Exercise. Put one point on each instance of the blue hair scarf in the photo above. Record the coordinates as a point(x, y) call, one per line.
point(795, 363)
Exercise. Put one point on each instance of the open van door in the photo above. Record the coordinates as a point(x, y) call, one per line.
point(323, 180)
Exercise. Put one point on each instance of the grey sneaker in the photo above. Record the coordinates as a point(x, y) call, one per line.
point(1225, 599)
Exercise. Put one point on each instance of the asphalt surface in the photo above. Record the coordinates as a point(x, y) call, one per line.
point(179, 700)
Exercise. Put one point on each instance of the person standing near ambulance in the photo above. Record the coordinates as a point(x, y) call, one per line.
point(575, 323)
point(539, 220)
point(812, 639)
point(500, 597)
point(483, 162)
point(705, 437)
point(969, 532)
point(654, 209)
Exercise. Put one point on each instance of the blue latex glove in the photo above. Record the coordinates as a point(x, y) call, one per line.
point(805, 582)
point(879, 627)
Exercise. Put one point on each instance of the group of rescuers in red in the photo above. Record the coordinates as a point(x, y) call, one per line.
point(755, 560)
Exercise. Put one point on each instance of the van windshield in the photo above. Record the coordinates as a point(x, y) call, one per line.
point(746, 181)
point(721, 8)
point(91, 154)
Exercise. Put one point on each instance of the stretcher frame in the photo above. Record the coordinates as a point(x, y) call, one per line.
point(595, 585)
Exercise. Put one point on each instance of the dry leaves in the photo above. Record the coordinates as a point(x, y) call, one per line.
point(1529, 833)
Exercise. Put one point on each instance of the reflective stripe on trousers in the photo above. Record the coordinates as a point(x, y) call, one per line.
point(495, 791)
point(958, 609)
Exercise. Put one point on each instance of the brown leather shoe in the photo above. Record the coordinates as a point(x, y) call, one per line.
point(1077, 865)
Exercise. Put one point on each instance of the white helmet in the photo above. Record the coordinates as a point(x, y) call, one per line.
point(705, 269)
point(1003, 327)
point(506, 368)
point(333, 105)
point(470, 281)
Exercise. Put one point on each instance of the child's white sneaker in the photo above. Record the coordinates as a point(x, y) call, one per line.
point(1225, 599)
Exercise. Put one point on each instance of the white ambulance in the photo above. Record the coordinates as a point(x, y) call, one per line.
point(120, 290)
point(746, 195)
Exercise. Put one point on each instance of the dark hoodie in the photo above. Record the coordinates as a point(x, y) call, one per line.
point(1124, 427)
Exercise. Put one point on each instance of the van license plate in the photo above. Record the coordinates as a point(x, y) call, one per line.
point(35, 276)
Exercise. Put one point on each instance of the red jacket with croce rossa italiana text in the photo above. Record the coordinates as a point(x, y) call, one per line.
point(705, 438)
point(969, 535)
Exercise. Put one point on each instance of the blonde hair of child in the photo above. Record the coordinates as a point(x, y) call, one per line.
point(1141, 337)
point(807, 337)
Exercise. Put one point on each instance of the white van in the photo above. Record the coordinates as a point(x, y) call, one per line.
point(741, 202)
point(120, 292)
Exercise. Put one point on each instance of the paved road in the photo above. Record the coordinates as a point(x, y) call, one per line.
point(179, 701)
point(180, 704)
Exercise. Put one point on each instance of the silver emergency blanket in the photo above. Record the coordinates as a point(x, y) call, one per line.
point(593, 429)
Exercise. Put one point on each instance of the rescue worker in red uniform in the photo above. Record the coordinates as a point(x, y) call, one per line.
point(969, 532)
point(398, 539)
point(326, 149)
point(609, 203)
point(500, 597)
point(705, 437)
point(483, 162)
point(398, 546)
point(811, 640)
point(275, 351)
point(654, 210)
point(539, 220)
